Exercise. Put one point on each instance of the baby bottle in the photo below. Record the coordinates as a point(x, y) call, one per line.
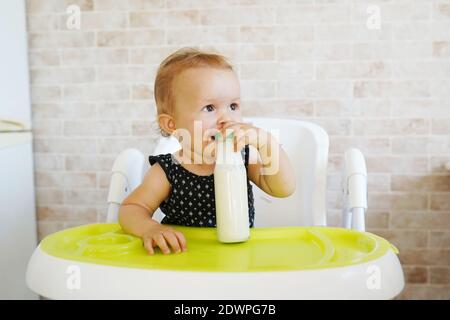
point(230, 184)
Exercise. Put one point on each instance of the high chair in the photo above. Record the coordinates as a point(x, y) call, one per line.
point(307, 147)
point(292, 253)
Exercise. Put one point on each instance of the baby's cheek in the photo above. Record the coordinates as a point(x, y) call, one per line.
point(209, 153)
point(198, 128)
point(237, 116)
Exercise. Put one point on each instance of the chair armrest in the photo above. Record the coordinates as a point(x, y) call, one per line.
point(126, 175)
point(354, 188)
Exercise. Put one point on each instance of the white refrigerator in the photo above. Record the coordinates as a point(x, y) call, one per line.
point(17, 198)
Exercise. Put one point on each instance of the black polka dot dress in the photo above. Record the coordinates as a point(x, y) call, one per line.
point(191, 201)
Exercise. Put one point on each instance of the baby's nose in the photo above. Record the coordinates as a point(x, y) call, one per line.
point(223, 114)
point(222, 120)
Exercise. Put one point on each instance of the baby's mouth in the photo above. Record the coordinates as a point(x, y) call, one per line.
point(212, 136)
point(209, 139)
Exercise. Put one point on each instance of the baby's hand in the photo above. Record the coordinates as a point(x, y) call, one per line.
point(163, 236)
point(245, 133)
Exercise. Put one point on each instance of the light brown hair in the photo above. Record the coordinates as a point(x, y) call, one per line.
point(174, 64)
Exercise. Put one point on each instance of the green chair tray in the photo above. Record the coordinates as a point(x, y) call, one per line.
point(269, 249)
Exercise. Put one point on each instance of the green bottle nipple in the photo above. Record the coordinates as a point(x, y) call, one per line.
point(218, 136)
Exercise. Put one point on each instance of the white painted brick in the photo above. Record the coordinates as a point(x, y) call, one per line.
point(197, 36)
point(440, 89)
point(237, 16)
point(95, 92)
point(130, 110)
point(89, 163)
point(367, 145)
point(45, 161)
point(405, 50)
point(441, 11)
point(126, 74)
point(56, 6)
point(292, 108)
point(338, 127)
point(96, 128)
point(152, 55)
point(65, 145)
point(440, 126)
point(124, 5)
point(256, 52)
point(314, 89)
point(155, 19)
point(276, 34)
point(251, 89)
point(277, 71)
point(45, 93)
point(63, 110)
point(441, 49)
point(84, 196)
point(313, 14)
point(47, 128)
point(394, 11)
point(421, 70)
point(130, 38)
point(47, 196)
point(62, 39)
point(352, 70)
point(91, 57)
point(371, 108)
point(54, 76)
point(43, 58)
point(113, 146)
point(43, 22)
point(411, 31)
point(193, 4)
point(391, 127)
point(97, 21)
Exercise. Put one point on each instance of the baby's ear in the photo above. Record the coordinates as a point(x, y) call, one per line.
point(166, 123)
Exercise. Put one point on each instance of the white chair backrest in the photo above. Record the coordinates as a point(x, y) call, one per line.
point(307, 147)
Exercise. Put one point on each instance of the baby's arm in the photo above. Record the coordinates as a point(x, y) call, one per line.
point(136, 211)
point(279, 182)
point(269, 166)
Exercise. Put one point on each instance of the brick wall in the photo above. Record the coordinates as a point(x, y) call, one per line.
point(385, 91)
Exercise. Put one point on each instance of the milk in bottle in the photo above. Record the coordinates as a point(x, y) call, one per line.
point(230, 184)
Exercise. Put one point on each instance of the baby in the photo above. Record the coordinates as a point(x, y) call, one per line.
point(198, 95)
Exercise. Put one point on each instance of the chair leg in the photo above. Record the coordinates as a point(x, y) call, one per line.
point(347, 219)
point(358, 222)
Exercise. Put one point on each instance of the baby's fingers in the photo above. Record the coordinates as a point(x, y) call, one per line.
point(181, 240)
point(239, 143)
point(148, 244)
point(162, 244)
point(172, 240)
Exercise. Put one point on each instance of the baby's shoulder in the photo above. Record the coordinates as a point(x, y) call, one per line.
point(166, 158)
point(163, 164)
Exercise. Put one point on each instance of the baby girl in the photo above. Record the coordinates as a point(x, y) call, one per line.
point(197, 96)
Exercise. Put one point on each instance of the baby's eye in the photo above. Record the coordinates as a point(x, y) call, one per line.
point(234, 106)
point(208, 108)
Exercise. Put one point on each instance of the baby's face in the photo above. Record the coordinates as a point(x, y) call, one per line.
point(205, 99)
